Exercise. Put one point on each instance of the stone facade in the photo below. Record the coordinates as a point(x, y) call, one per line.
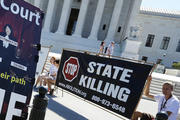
point(83, 24)
point(161, 24)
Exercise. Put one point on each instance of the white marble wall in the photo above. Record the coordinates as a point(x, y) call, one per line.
point(93, 15)
point(96, 14)
point(109, 6)
point(160, 26)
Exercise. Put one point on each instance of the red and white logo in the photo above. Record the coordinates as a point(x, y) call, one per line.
point(71, 69)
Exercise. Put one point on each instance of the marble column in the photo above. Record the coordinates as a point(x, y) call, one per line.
point(114, 21)
point(131, 45)
point(97, 20)
point(134, 12)
point(49, 15)
point(81, 18)
point(64, 17)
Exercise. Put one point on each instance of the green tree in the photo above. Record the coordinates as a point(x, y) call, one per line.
point(176, 65)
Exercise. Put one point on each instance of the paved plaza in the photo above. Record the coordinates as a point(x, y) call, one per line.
point(65, 106)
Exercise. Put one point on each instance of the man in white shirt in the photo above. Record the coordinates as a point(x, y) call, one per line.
point(166, 102)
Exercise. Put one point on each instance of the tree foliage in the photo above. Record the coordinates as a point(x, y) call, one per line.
point(176, 65)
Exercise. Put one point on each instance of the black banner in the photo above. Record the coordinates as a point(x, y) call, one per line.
point(111, 83)
point(20, 31)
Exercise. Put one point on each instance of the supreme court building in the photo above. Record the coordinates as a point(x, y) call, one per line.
point(151, 35)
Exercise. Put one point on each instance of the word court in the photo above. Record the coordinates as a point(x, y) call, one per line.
point(24, 13)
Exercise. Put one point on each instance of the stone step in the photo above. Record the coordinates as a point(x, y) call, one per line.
point(156, 86)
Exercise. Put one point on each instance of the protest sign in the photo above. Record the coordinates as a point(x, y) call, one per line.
point(111, 83)
point(20, 31)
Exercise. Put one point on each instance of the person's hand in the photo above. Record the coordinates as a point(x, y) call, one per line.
point(147, 88)
point(149, 78)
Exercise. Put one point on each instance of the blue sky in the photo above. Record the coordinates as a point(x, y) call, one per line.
point(163, 4)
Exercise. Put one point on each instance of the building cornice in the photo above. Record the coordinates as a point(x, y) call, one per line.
point(160, 12)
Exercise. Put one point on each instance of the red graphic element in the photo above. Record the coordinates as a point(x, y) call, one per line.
point(71, 69)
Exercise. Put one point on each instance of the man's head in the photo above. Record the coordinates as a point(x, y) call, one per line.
point(167, 89)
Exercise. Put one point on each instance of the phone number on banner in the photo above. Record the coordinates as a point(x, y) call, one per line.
point(108, 104)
